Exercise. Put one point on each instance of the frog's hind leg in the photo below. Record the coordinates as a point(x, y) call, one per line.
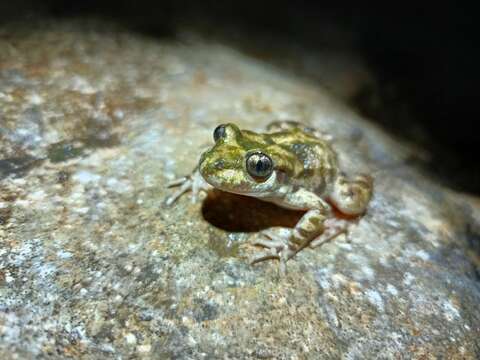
point(351, 197)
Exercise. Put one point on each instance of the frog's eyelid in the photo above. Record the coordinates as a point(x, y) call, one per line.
point(220, 132)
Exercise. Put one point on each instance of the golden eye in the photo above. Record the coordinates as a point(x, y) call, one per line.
point(259, 165)
point(219, 133)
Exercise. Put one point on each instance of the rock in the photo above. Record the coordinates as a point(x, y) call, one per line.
point(95, 120)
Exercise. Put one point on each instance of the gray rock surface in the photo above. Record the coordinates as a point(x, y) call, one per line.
point(94, 121)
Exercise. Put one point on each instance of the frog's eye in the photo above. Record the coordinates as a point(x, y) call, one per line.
point(259, 165)
point(219, 133)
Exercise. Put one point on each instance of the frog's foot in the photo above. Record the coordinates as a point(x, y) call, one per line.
point(333, 227)
point(278, 245)
point(284, 243)
point(194, 183)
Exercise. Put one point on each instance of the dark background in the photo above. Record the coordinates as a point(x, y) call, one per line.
point(425, 58)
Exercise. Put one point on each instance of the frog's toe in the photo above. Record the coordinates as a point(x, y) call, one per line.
point(276, 239)
point(177, 181)
point(193, 183)
point(333, 228)
point(270, 244)
point(184, 187)
point(278, 234)
point(264, 255)
point(270, 254)
point(276, 242)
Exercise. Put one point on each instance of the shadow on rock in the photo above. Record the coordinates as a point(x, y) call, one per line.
point(237, 213)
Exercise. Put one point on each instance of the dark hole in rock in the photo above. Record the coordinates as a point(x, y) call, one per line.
point(98, 133)
point(5, 214)
point(62, 177)
point(64, 150)
point(204, 310)
point(18, 166)
point(102, 139)
point(237, 213)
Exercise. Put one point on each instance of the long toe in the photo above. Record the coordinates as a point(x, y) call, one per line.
point(177, 182)
point(278, 233)
point(270, 244)
point(186, 186)
point(264, 255)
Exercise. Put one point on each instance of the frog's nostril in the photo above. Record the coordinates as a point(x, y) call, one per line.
point(219, 164)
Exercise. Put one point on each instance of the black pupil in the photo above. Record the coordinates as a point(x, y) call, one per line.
point(262, 166)
point(219, 132)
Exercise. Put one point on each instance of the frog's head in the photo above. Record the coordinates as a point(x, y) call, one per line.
point(240, 162)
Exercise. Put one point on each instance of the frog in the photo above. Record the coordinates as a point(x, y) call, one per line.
point(291, 165)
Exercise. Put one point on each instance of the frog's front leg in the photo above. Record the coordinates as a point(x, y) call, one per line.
point(333, 228)
point(283, 243)
point(194, 183)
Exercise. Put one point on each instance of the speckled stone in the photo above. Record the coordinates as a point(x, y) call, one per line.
point(95, 120)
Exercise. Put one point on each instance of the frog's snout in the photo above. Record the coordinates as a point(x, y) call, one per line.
point(211, 167)
point(207, 167)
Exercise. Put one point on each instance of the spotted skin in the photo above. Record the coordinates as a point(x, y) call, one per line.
point(299, 171)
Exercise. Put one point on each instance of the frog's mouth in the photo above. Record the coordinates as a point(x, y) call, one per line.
point(236, 182)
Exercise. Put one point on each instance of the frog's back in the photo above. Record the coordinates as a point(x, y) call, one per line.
point(318, 159)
